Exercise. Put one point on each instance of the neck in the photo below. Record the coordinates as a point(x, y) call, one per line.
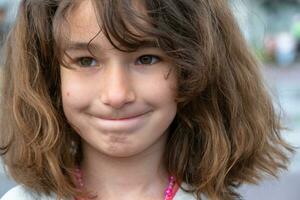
point(141, 176)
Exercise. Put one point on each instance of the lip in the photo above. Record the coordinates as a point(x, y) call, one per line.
point(126, 118)
point(122, 124)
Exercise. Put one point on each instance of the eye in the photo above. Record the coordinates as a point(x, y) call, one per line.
point(148, 60)
point(86, 62)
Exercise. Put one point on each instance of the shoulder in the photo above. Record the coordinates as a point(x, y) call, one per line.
point(21, 193)
point(183, 195)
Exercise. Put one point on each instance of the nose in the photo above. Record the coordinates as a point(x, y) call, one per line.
point(117, 88)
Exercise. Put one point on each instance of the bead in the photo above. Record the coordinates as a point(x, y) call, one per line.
point(169, 189)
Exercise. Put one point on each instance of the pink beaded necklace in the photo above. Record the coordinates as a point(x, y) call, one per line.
point(170, 191)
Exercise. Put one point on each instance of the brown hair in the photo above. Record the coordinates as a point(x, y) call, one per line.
point(225, 133)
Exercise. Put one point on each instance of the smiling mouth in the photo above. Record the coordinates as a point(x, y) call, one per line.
point(125, 118)
point(129, 123)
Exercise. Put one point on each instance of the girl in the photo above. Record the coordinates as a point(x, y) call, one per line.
point(152, 99)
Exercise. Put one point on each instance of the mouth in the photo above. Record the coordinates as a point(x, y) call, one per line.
point(122, 124)
point(125, 118)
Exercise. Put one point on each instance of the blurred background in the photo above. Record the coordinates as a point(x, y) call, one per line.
point(272, 29)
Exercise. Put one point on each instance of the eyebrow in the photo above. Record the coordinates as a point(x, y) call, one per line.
point(74, 45)
point(78, 45)
point(151, 43)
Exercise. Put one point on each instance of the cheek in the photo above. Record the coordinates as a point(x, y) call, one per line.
point(159, 89)
point(75, 96)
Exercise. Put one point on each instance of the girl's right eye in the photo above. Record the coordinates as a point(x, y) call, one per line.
point(86, 62)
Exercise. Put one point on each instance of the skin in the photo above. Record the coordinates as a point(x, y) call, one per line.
point(122, 157)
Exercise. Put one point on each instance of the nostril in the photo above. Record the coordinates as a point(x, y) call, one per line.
point(118, 99)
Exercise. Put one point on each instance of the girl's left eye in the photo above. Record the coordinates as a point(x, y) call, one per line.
point(148, 60)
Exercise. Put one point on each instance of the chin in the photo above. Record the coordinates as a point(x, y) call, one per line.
point(122, 153)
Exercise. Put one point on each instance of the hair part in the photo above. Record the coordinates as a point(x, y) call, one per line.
point(226, 131)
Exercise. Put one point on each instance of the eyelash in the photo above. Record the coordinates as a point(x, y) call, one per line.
point(78, 61)
point(153, 56)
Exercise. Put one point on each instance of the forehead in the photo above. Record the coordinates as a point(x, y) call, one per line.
point(82, 21)
point(84, 25)
point(85, 19)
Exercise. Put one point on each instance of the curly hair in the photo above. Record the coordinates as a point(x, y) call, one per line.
point(226, 131)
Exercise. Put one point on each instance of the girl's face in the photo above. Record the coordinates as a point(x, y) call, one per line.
point(120, 103)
